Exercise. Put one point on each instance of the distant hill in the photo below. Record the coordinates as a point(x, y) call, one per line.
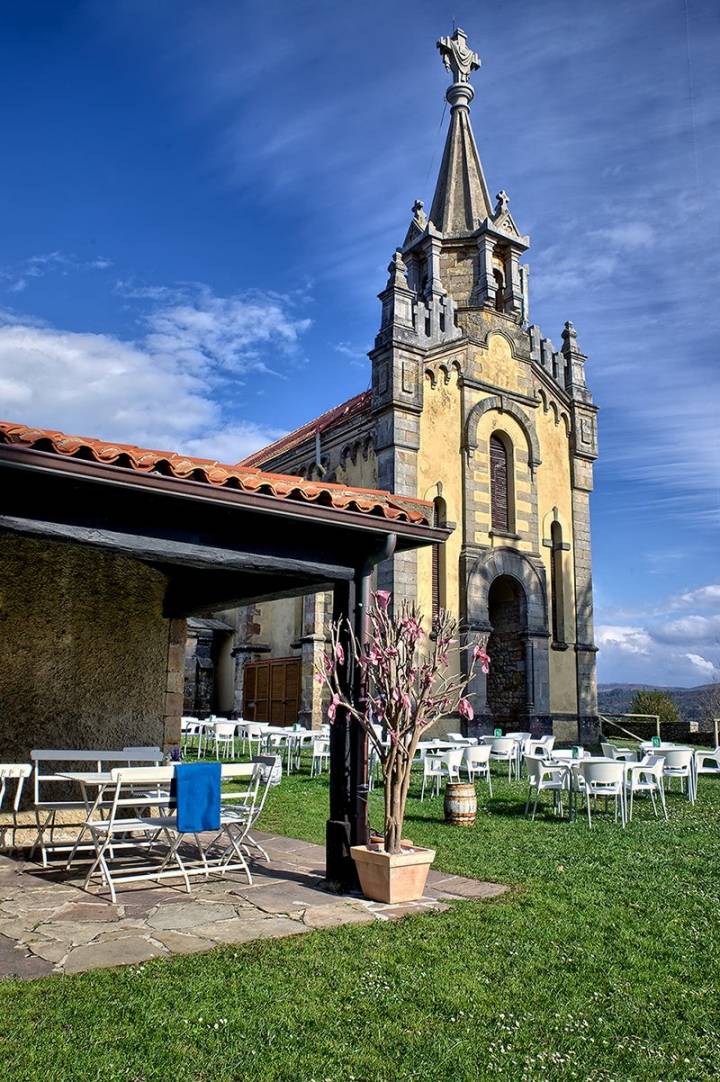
point(693, 703)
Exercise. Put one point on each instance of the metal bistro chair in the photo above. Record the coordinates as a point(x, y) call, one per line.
point(120, 830)
point(17, 772)
point(234, 806)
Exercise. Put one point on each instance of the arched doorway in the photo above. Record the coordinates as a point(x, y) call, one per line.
point(507, 694)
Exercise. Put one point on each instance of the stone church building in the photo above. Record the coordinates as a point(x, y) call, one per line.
point(472, 407)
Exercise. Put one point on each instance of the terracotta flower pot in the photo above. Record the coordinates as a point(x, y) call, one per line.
point(392, 877)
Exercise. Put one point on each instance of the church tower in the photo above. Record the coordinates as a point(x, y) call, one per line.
point(476, 409)
point(472, 407)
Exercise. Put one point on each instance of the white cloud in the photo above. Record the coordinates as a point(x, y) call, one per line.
point(172, 389)
point(698, 629)
point(16, 277)
point(707, 668)
point(626, 640)
point(706, 596)
point(656, 650)
point(627, 235)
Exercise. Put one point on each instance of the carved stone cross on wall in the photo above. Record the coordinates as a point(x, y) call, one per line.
point(457, 57)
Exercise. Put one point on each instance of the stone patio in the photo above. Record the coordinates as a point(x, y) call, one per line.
point(49, 924)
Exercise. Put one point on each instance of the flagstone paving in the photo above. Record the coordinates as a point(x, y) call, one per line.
point(49, 924)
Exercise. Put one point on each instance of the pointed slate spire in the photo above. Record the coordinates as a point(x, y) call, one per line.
point(461, 198)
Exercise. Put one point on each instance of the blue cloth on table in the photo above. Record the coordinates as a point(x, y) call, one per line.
point(195, 791)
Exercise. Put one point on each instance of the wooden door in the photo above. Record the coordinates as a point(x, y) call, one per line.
point(272, 691)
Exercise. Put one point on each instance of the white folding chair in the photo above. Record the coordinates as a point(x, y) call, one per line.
point(604, 779)
point(645, 777)
point(544, 777)
point(477, 763)
point(9, 772)
point(679, 763)
point(120, 831)
point(238, 811)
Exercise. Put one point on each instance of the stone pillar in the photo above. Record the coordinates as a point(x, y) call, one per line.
point(486, 286)
point(585, 649)
point(513, 284)
point(175, 682)
point(313, 644)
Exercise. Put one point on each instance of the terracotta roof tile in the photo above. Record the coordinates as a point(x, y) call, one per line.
point(206, 470)
point(330, 419)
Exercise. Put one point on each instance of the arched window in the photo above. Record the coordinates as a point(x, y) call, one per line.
point(556, 583)
point(439, 598)
point(499, 290)
point(501, 491)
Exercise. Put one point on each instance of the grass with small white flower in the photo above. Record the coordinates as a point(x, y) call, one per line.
point(600, 965)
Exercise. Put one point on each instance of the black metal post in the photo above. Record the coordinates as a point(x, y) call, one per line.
point(339, 867)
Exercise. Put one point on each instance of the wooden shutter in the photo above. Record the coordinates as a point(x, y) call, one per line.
point(499, 484)
point(272, 691)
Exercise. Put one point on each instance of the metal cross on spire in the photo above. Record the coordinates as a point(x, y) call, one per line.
point(457, 57)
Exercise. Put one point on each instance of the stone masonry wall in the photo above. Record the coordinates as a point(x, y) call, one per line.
point(86, 657)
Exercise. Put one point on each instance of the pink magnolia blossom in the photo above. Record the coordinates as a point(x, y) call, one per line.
point(481, 655)
point(332, 708)
point(339, 653)
point(465, 709)
point(383, 598)
point(319, 678)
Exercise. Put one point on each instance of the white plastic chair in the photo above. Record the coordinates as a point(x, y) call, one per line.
point(320, 756)
point(604, 779)
point(224, 738)
point(646, 777)
point(702, 759)
point(679, 763)
point(628, 755)
point(477, 762)
point(255, 733)
point(17, 772)
point(503, 749)
point(432, 771)
point(541, 745)
point(543, 776)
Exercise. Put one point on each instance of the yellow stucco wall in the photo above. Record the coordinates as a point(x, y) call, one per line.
point(555, 491)
point(440, 474)
point(280, 625)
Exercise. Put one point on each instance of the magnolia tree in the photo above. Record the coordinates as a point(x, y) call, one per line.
point(405, 690)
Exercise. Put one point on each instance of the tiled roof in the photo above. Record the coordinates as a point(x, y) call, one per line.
point(330, 419)
point(205, 470)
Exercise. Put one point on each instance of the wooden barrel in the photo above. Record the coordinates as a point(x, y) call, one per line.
point(460, 804)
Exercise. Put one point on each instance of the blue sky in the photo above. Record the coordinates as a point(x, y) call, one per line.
point(198, 203)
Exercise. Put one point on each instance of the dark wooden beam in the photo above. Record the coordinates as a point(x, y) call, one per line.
point(170, 551)
point(194, 594)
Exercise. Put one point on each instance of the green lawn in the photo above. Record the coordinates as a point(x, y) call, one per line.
point(602, 964)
